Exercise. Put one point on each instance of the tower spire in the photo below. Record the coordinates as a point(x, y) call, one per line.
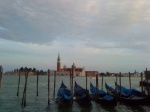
point(58, 59)
point(58, 64)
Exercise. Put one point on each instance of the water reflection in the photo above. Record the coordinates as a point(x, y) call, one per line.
point(86, 108)
point(64, 108)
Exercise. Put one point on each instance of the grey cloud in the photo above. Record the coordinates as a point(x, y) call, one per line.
point(41, 21)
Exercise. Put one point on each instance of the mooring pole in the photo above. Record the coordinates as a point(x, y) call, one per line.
point(86, 80)
point(120, 84)
point(142, 83)
point(37, 84)
point(116, 78)
point(72, 81)
point(1, 73)
point(48, 87)
point(18, 84)
point(25, 87)
point(54, 84)
point(147, 82)
point(97, 81)
point(102, 81)
point(130, 79)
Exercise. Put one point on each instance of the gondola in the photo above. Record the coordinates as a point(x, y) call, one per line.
point(129, 92)
point(128, 96)
point(100, 96)
point(64, 95)
point(81, 95)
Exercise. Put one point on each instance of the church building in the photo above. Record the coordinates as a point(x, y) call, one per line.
point(78, 71)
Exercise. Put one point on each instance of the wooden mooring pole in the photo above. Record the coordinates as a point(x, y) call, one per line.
point(117, 78)
point(142, 83)
point(72, 81)
point(102, 81)
point(54, 84)
point(48, 87)
point(25, 88)
point(97, 81)
point(147, 83)
point(86, 80)
point(1, 73)
point(120, 84)
point(130, 80)
point(37, 84)
point(18, 84)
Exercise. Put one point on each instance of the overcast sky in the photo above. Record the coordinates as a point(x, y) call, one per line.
point(100, 35)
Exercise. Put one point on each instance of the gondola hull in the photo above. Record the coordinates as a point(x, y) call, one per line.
point(64, 95)
point(102, 97)
point(134, 100)
point(130, 97)
point(81, 96)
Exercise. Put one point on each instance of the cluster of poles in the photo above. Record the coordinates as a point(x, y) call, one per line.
point(23, 104)
point(26, 72)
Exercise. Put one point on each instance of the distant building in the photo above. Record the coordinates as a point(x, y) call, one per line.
point(92, 73)
point(78, 71)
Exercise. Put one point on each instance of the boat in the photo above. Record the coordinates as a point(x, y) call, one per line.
point(64, 95)
point(129, 92)
point(128, 96)
point(81, 95)
point(100, 96)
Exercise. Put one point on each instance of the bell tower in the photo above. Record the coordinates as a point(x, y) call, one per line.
point(58, 63)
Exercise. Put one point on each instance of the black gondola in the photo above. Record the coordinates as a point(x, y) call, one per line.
point(100, 96)
point(128, 96)
point(64, 95)
point(81, 95)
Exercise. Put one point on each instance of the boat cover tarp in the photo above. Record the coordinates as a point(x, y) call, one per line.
point(95, 91)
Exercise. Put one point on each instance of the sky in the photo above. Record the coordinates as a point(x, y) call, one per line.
point(100, 35)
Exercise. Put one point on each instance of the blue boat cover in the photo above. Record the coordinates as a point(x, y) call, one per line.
point(79, 91)
point(108, 97)
point(64, 93)
point(95, 91)
point(128, 92)
point(109, 88)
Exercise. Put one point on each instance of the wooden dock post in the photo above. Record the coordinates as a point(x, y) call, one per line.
point(130, 80)
point(48, 87)
point(70, 80)
point(116, 78)
point(25, 88)
point(54, 84)
point(120, 84)
point(72, 75)
point(1, 73)
point(97, 81)
point(102, 81)
point(18, 84)
point(142, 83)
point(37, 83)
point(86, 80)
point(147, 84)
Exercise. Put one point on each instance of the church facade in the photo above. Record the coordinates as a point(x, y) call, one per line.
point(65, 71)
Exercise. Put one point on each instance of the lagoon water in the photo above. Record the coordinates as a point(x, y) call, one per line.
point(9, 102)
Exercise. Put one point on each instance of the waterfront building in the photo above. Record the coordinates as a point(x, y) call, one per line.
point(65, 71)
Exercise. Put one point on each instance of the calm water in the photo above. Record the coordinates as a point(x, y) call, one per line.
point(9, 102)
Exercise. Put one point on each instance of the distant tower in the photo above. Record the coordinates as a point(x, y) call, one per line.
point(58, 64)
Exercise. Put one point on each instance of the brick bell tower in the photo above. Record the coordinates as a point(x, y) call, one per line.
point(58, 64)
